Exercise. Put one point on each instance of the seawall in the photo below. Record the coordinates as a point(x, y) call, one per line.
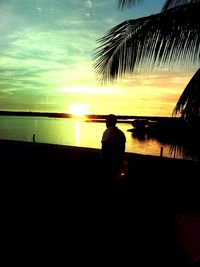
point(55, 198)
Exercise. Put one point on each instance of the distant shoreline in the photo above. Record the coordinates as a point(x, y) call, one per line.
point(90, 117)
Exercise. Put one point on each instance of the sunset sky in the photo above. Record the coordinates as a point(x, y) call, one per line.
point(46, 60)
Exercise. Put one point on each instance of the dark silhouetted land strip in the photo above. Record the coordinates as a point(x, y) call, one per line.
point(56, 197)
point(90, 117)
point(35, 114)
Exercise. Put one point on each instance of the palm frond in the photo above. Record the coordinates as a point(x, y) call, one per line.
point(128, 3)
point(188, 104)
point(173, 3)
point(158, 40)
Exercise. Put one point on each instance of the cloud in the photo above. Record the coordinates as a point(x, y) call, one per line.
point(89, 90)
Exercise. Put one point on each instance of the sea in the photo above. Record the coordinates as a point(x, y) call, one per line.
point(81, 133)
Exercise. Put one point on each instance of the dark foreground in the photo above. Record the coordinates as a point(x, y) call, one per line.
point(59, 207)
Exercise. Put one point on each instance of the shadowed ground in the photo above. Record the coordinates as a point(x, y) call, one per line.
point(58, 202)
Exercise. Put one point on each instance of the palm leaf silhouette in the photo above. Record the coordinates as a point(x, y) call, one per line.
point(128, 3)
point(168, 38)
point(188, 104)
point(149, 42)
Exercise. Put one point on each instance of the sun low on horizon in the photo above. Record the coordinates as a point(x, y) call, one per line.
point(78, 110)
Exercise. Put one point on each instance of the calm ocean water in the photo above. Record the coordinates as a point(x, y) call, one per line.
point(77, 132)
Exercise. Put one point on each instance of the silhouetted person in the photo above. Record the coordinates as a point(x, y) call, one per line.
point(113, 148)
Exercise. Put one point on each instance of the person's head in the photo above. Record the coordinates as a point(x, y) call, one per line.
point(111, 120)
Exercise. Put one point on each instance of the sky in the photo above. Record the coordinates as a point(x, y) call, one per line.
point(47, 58)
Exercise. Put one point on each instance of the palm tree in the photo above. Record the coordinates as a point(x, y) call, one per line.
point(167, 38)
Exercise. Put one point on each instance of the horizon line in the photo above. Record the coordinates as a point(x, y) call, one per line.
point(89, 116)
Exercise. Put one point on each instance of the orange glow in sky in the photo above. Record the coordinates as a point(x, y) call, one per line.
point(155, 94)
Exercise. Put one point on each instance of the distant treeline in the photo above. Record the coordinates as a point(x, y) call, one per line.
point(35, 114)
point(91, 117)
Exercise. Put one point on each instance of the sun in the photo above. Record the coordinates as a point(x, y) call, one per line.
point(78, 110)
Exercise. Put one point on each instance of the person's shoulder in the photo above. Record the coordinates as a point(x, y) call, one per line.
point(106, 135)
point(122, 134)
point(120, 130)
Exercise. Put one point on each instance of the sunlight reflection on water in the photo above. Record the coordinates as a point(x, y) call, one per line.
point(75, 132)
